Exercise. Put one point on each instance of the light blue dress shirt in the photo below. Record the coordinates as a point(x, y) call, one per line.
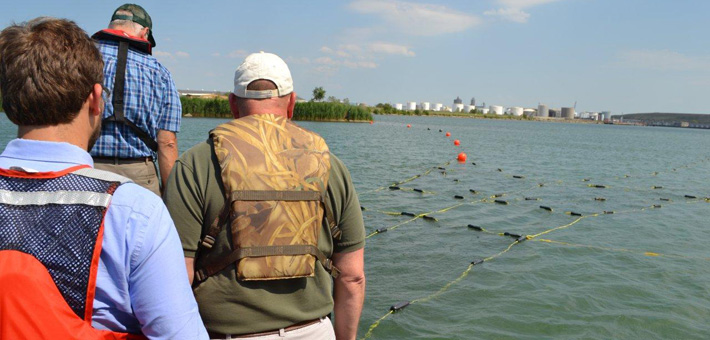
point(142, 283)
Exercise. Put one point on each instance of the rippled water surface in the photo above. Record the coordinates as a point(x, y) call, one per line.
point(641, 272)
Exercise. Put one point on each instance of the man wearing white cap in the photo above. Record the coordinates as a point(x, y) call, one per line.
point(269, 220)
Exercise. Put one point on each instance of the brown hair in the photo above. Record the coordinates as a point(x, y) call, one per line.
point(48, 67)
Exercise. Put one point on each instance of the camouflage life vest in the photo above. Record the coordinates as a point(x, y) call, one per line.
point(275, 176)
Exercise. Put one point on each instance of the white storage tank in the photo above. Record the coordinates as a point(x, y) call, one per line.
point(516, 111)
point(485, 111)
point(398, 106)
point(529, 112)
point(411, 106)
point(469, 108)
point(497, 109)
point(606, 116)
point(458, 107)
point(438, 106)
point(425, 106)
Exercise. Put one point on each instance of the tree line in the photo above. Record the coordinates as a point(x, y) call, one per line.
point(218, 107)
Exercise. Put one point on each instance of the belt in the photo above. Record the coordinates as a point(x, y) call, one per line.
point(293, 327)
point(119, 160)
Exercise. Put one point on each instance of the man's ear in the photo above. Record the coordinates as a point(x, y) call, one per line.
point(144, 33)
point(291, 105)
point(96, 103)
point(233, 105)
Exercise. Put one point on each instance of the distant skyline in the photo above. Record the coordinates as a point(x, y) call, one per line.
point(624, 56)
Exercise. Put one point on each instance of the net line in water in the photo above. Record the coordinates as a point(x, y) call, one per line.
point(518, 238)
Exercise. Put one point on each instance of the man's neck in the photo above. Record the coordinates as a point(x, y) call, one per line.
point(50, 133)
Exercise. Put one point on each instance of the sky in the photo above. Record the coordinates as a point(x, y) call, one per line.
point(624, 56)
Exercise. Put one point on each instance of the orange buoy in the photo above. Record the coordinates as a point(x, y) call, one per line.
point(456, 142)
point(409, 125)
point(448, 134)
point(462, 157)
point(371, 122)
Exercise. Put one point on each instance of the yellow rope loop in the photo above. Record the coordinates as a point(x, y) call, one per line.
point(375, 324)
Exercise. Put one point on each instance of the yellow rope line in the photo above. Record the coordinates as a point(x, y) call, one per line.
point(638, 252)
point(375, 324)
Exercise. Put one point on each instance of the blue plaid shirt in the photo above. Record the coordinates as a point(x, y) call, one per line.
point(151, 102)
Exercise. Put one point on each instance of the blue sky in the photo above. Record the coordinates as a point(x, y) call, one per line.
point(620, 55)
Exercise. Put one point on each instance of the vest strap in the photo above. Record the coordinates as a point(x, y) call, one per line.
point(275, 195)
point(118, 98)
point(238, 254)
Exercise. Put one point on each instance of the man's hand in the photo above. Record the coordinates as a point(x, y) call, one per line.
point(349, 292)
point(167, 154)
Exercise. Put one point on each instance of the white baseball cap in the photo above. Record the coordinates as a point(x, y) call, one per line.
point(266, 66)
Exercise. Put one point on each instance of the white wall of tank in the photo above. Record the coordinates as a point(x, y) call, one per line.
point(497, 109)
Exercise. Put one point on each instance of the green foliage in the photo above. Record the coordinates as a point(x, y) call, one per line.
point(219, 108)
point(206, 107)
point(318, 94)
point(330, 111)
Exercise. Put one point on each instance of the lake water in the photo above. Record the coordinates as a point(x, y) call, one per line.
point(642, 272)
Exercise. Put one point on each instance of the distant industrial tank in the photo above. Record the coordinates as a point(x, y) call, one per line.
point(473, 101)
point(398, 106)
point(411, 106)
point(497, 109)
point(469, 108)
point(568, 113)
point(438, 106)
point(485, 111)
point(529, 112)
point(425, 106)
point(516, 111)
point(543, 111)
point(458, 101)
point(606, 116)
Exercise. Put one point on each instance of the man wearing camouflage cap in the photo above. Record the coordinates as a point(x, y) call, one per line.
point(143, 112)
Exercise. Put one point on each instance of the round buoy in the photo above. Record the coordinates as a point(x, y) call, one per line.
point(409, 125)
point(456, 142)
point(448, 134)
point(462, 157)
point(371, 122)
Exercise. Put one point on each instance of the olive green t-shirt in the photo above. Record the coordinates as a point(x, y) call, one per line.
point(194, 196)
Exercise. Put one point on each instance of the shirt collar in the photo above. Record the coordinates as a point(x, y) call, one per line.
point(43, 151)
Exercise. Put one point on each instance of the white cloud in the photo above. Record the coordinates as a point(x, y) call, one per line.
point(359, 64)
point(663, 60)
point(182, 54)
point(417, 19)
point(389, 48)
point(162, 55)
point(512, 14)
point(513, 10)
point(524, 3)
point(238, 54)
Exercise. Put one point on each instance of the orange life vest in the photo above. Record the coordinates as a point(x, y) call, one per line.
point(51, 228)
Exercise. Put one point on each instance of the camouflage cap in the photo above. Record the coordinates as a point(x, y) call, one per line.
point(138, 15)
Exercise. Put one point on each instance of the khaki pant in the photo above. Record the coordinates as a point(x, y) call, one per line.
point(322, 330)
point(143, 173)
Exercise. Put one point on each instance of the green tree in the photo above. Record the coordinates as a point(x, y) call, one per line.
point(318, 94)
